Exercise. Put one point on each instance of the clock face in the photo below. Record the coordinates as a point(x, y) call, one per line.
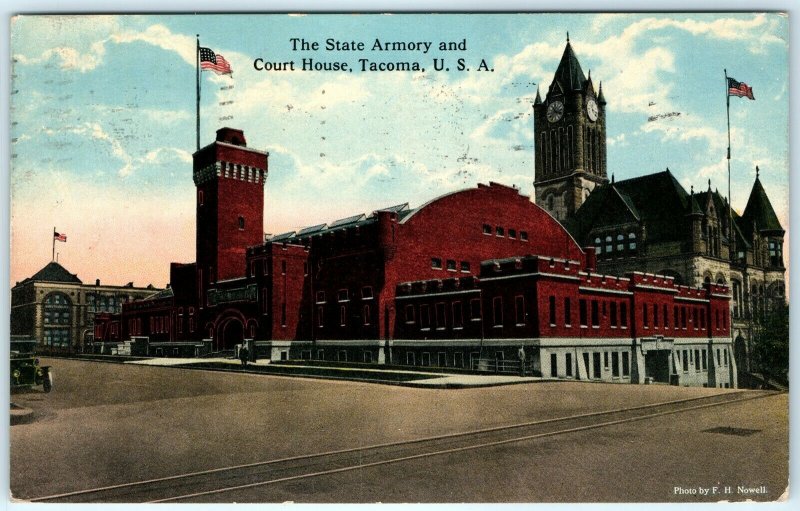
point(555, 111)
point(591, 109)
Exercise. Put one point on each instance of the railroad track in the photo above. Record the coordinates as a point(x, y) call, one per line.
point(195, 486)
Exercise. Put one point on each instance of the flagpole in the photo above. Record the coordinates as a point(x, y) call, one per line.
point(731, 237)
point(197, 65)
point(54, 244)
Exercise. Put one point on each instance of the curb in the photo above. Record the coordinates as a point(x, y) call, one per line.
point(21, 415)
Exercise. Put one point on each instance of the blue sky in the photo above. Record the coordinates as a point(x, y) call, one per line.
point(103, 113)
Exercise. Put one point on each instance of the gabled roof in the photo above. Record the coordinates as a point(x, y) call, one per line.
point(569, 73)
point(657, 199)
point(54, 272)
point(759, 210)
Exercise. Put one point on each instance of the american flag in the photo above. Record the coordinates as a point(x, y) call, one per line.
point(59, 236)
point(214, 62)
point(739, 89)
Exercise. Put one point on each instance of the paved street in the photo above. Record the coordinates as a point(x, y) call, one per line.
point(109, 424)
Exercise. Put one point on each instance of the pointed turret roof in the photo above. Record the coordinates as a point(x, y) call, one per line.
point(569, 73)
point(759, 211)
point(538, 100)
point(600, 98)
point(54, 272)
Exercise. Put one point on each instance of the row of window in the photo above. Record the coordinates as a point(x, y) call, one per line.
point(615, 361)
point(616, 314)
point(364, 320)
point(500, 232)
point(441, 317)
point(698, 359)
point(436, 264)
point(56, 337)
point(609, 246)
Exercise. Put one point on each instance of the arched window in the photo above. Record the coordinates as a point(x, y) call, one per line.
point(57, 317)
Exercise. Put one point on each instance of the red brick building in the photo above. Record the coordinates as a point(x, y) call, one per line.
point(464, 281)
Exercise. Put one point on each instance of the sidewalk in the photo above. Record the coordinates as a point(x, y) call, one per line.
point(435, 380)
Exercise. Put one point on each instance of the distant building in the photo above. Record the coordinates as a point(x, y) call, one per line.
point(55, 308)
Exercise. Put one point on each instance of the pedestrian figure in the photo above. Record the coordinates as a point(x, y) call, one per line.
point(521, 356)
point(243, 355)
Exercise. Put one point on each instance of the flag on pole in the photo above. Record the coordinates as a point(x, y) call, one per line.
point(59, 236)
point(214, 61)
point(739, 89)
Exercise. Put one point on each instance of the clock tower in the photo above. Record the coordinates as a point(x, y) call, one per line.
point(570, 139)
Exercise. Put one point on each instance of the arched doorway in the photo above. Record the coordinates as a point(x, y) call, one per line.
point(230, 332)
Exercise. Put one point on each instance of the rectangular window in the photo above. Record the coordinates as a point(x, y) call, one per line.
point(705, 359)
point(702, 318)
point(426, 358)
point(458, 317)
point(675, 319)
point(623, 314)
point(410, 359)
point(568, 364)
point(595, 315)
point(717, 356)
point(451, 265)
point(366, 315)
point(626, 366)
point(283, 314)
point(266, 268)
point(666, 317)
point(596, 365)
point(283, 267)
point(320, 316)
point(583, 314)
point(497, 311)
point(458, 359)
point(305, 268)
point(519, 309)
point(367, 356)
point(512, 234)
point(523, 236)
point(464, 266)
point(613, 319)
point(586, 365)
point(655, 316)
point(343, 295)
point(615, 364)
point(605, 360)
point(424, 317)
point(409, 313)
point(725, 356)
point(567, 312)
point(553, 365)
point(320, 296)
point(320, 354)
point(697, 360)
point(685, 360)
point(683, 317)
point(441, 321)
point(342, 315)
point(645, 318)
point(694, 318)
point(436, 263)
point(499, 232)
point(366, 293)
point(552, 303)
point(487, 229)
point(475, 309)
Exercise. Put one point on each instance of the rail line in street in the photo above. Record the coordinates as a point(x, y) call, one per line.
point(194, 486)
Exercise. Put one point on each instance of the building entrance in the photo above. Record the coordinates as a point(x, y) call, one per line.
point(656, 365)
point(229, 333)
